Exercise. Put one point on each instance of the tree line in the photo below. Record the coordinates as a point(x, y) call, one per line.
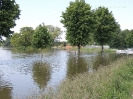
point(40, 37)
point(83, 24)
point(122, 39)
point(99, 25)
point(80, 21)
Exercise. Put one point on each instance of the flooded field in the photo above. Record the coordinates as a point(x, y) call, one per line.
point(22, 73)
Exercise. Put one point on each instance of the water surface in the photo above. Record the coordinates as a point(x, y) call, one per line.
point(22, 73)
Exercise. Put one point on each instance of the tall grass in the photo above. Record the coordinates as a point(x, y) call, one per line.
point(108, 82)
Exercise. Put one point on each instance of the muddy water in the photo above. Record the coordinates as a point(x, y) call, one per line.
point(23, 73)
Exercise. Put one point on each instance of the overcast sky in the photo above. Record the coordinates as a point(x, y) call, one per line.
point(35, 12)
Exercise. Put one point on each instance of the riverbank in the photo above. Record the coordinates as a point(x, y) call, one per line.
point(114, 81)
point(92, 49)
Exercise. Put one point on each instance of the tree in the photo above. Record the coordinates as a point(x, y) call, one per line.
point(22, 39)
point(41, 38)
point(26, 36)
point(15, 40)
point(78, 20)
point(55, 32)
point(119, 41)
point(106, 26)
point(9, 12)
point(129, 39)
point(116, 42)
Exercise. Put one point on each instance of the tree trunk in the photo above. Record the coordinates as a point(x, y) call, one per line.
point(78, 49)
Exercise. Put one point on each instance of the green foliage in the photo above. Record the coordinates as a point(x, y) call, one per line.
point(121, 84)
point(91, 39)
point(9, 12)
point(113, 81)
point(106, 26)
point(116, 42)
point(38, 38)
point(120, 39)
point(15, 41)
point(78, 20)
point(123, 35)
point(26, 35)
point(23, 39)
point(129, 39)
point(41, 38)
point(55, 33)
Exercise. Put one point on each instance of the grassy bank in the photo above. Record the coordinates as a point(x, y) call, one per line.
point(92, 50)
point(111, 82)
point(114, 81)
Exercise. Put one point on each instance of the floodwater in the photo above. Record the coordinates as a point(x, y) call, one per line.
point(24, 73)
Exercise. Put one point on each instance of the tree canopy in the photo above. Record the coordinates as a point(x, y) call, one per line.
point(129, 39)
point(22, 39)
point(122, 39)
point(15, 40)
point(41, 38)
point(106, 26)
point(78, 21)
point(9, 12)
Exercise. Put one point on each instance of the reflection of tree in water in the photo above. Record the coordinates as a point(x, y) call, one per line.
point(41, 74)
point(100, 60)
point(5, 89)
point(104, 59)
point(76, 65)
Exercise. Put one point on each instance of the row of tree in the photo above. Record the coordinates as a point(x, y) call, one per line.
point(81, 21)
point(82, 25)
point(122, 39)
point(41, 37)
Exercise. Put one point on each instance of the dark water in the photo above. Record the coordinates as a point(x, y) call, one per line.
point(21, 74)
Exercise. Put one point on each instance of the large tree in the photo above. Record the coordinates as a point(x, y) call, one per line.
point(41, 38)
point(78, 21)
point(106, 26)
point(9, 12)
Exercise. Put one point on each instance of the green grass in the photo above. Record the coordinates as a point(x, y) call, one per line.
point(110, 82)
point(94, 50)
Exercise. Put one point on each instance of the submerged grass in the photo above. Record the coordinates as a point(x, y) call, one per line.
point(110, 82)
